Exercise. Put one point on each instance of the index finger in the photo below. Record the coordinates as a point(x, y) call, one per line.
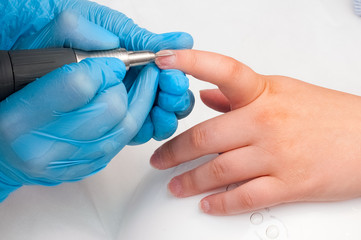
point(131, 36)
point(239, 83)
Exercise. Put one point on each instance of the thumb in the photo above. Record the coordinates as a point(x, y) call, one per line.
point(239, 84)
point(69, 29)
point(140, 101)
point(142, 94)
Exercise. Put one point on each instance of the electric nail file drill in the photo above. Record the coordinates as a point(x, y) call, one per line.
point(20, 67)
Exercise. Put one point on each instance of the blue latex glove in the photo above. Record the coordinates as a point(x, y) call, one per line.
point(88, 26)
point(357, 7)
point(70, 123)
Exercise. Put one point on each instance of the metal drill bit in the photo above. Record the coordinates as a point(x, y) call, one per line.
point(164, 54)
point(137, 58)
point(130, 58)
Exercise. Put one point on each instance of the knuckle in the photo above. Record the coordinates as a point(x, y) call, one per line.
point(246, 200)
point(190, 184)
point(273, 118)
point(222, 206)
point(116, 103)
point(32, 167)
point(167, 152)
point(78, 86)
point(270, 87)
point(192, 59)
point(218, 170)
point(232, 67)
point(235, 68)
point(66, 21)
point(264, 117)
point(198, 137)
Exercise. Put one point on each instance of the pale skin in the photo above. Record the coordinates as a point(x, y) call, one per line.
point(284, 139)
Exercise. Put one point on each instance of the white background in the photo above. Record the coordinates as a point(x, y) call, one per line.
point(318, 41)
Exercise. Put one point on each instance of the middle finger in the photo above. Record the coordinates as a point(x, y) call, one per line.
point(220, 134)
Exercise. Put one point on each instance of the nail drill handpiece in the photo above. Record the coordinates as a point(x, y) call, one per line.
point(20, 67)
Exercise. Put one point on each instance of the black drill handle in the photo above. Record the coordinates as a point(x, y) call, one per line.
point(20, 67)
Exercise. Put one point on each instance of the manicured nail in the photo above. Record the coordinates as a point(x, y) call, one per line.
point(175, 187)
point(165, 59)
point(204, 206)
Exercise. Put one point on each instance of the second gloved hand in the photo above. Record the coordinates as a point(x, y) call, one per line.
point(70, 123)
point(87, 25)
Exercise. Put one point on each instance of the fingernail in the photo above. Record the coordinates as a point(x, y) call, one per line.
point(165, 59)
point(156, 161)
point(175, 187)
point(204, 206)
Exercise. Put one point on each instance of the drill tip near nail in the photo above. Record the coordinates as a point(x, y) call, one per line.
point(164, 53)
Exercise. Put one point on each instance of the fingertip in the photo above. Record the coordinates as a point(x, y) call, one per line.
point(117, 66)
point(215, 99)
point(175, 187)
point(186, 112)
point(173, 81)
point(144, 134)
point(173, 103)
point(156, 161)
point(165, 123)
point(239, 83)
point(166, 59)
point(204, 206)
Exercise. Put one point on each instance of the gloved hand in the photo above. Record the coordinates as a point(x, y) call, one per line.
point(88, 26)
point(357, 7)
point(70, 123)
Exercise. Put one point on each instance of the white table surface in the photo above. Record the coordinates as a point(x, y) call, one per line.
point(318, 41)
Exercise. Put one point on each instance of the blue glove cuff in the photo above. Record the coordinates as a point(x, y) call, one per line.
point(7, 185)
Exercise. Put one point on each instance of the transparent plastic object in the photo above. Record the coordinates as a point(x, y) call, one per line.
point(153, 213)
point(266, 226)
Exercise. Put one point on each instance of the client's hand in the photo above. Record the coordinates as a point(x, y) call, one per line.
point(284, 140)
